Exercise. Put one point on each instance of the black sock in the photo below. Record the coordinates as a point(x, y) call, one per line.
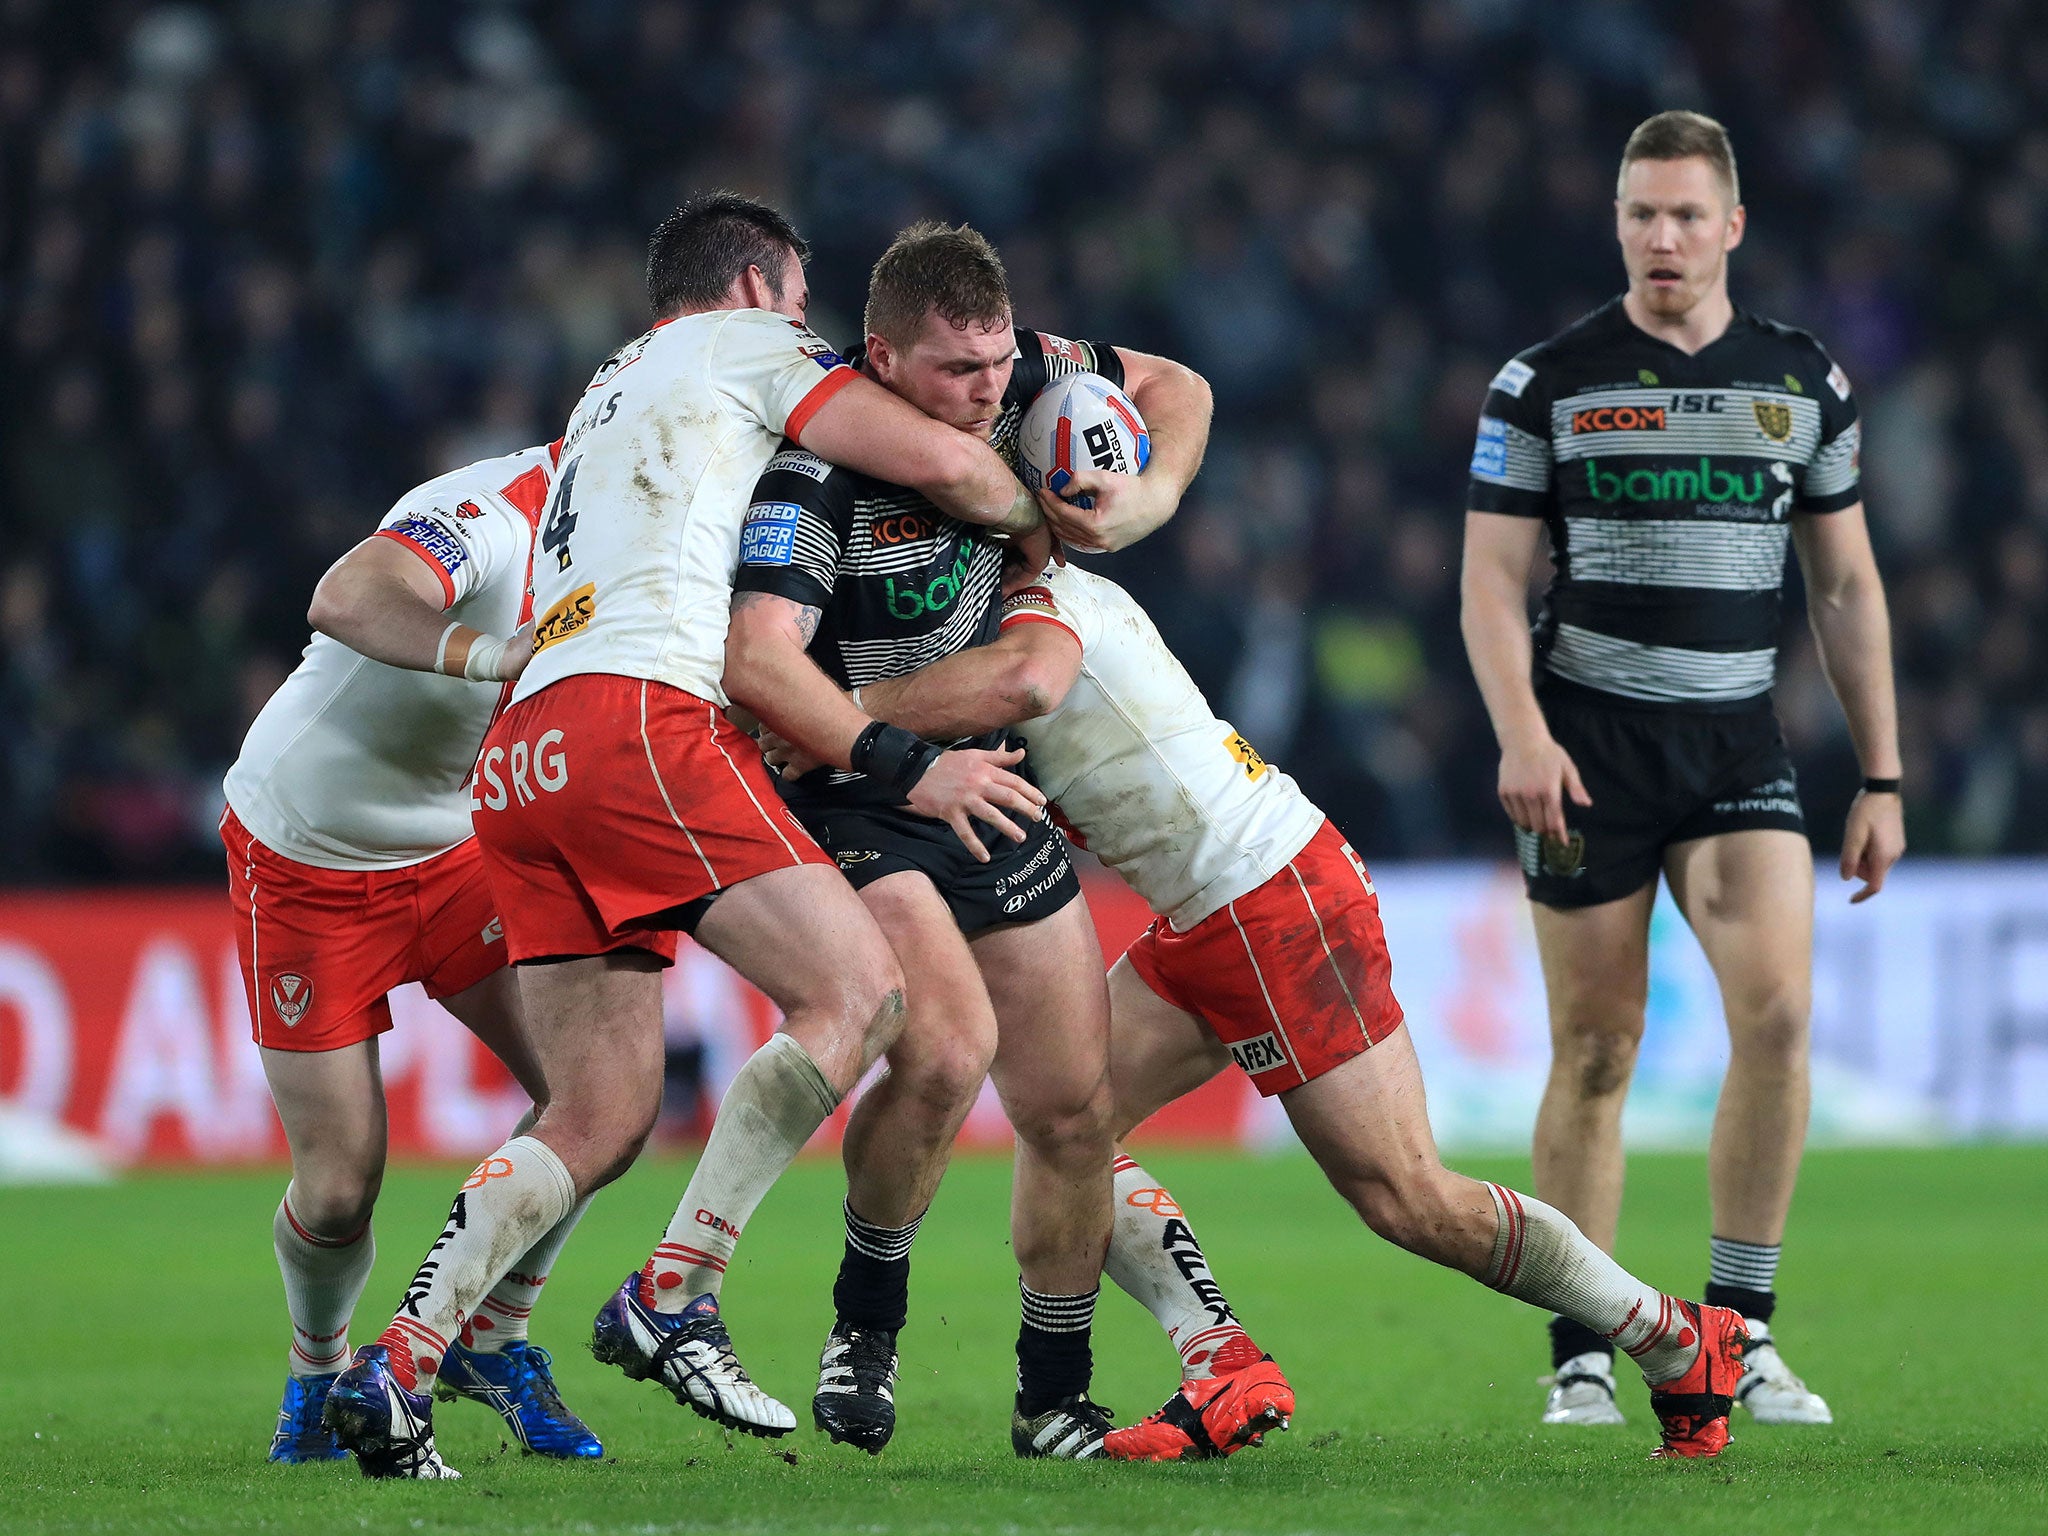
point(1569, 1340)
point(1054, 1361)
point(873, 1288)
point(1756, 1304)
point(1743, 1276)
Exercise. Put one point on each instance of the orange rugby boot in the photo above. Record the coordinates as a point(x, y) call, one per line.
point(1693, 1408)
point(1216, 1417)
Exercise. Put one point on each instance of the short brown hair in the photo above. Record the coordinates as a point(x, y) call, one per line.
point(1681, 136)
point(931, 267)
point(698, 252)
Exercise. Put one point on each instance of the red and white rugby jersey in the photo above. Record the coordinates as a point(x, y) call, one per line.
point(1161, 790)
point(357, 765)
point(633, 573)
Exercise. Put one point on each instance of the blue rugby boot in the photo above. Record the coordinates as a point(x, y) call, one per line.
point(690, 1353)
point(300, 1434)
point(517, 1384)
point(389, 1426)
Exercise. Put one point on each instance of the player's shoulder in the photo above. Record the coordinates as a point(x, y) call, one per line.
point(794, 474)
point(1807, 365)
point(1543, 364)
point(1042, 356)
point(515, 482)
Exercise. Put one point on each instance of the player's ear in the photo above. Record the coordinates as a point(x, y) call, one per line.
point(1738, 221)
point(882, 356)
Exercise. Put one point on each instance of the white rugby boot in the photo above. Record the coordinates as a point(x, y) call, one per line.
point(1769, 1390)
point(1582, 1391)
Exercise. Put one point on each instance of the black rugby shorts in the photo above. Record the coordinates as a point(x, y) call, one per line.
point(1656, 778)
point(1021, 883)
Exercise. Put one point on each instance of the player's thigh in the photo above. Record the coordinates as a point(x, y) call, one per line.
point(595, 1030)
point(803, 937)
point(490, 1010)
point(1157, 1051)
point(1596, 966)
point(331, 1105)
point(1749, 898)
point(1052, 1014)
point(949, 1027)
point(1366, 1120)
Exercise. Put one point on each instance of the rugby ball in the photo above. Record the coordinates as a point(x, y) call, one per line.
point(1080, 422)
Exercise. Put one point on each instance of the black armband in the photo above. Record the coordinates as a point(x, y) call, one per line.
point(1880, 786)
point(892, 756)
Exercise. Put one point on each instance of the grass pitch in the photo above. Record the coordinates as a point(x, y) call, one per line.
point(142, 1350)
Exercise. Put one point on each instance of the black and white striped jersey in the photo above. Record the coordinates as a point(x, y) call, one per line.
point(1668, 482)
point(898, 584)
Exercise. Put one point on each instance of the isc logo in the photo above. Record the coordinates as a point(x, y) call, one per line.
point(545, 760)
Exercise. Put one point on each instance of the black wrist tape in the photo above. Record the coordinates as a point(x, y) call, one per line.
point(892, 756)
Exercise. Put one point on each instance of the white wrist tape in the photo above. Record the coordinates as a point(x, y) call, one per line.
point(441, 650)
point(486, 652)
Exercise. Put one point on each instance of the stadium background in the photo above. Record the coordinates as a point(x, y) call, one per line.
point(265, 266)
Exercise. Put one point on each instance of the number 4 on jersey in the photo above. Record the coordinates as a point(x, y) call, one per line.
point(554, 535)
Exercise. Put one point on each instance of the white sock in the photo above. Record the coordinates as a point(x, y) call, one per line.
point(323, 1278)
point(516, 1195)
point(774, 1104)
point(1154, 1258)
point(1541, 1257)
point(501, 1317)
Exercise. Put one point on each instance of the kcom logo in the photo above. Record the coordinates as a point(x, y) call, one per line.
point(1706, 483)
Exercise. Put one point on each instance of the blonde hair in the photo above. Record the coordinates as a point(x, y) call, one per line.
point(1681, 136)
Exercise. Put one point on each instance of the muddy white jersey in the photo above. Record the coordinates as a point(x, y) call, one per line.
point(633, 573)
point(357, 765)
point(1161, 790)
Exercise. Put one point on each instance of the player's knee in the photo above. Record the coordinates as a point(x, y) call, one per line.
point(1403, 1206)
point(1073, 1133)
point(949, 1075)
point(337, 1201)
point(1772, 1033)
point(1599, 1060)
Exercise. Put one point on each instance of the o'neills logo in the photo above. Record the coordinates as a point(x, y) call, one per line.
point(1619, 418)
point(566, 617)
point(291, 995)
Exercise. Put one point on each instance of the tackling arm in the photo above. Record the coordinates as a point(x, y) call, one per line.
point(866, 428)
point(1025, 672)
point(385, 602)
point(768, 670)
point(1176, 404)
point(1851, 624)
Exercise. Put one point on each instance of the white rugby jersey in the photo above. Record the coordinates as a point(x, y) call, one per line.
point(1161, 790)
point(357, 765)
point(633, 572)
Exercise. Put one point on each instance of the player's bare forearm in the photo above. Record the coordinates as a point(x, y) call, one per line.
point(1019, 676)
point(866, 428)
point(384, 601)
point(1851, 625)
point(769, 672)
point(1177, 406)
point(1493, 615)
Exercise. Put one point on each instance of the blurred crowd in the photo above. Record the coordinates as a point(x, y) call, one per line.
point(263, 266)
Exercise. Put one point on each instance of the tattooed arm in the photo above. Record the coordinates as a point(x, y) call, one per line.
point(768, 670)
